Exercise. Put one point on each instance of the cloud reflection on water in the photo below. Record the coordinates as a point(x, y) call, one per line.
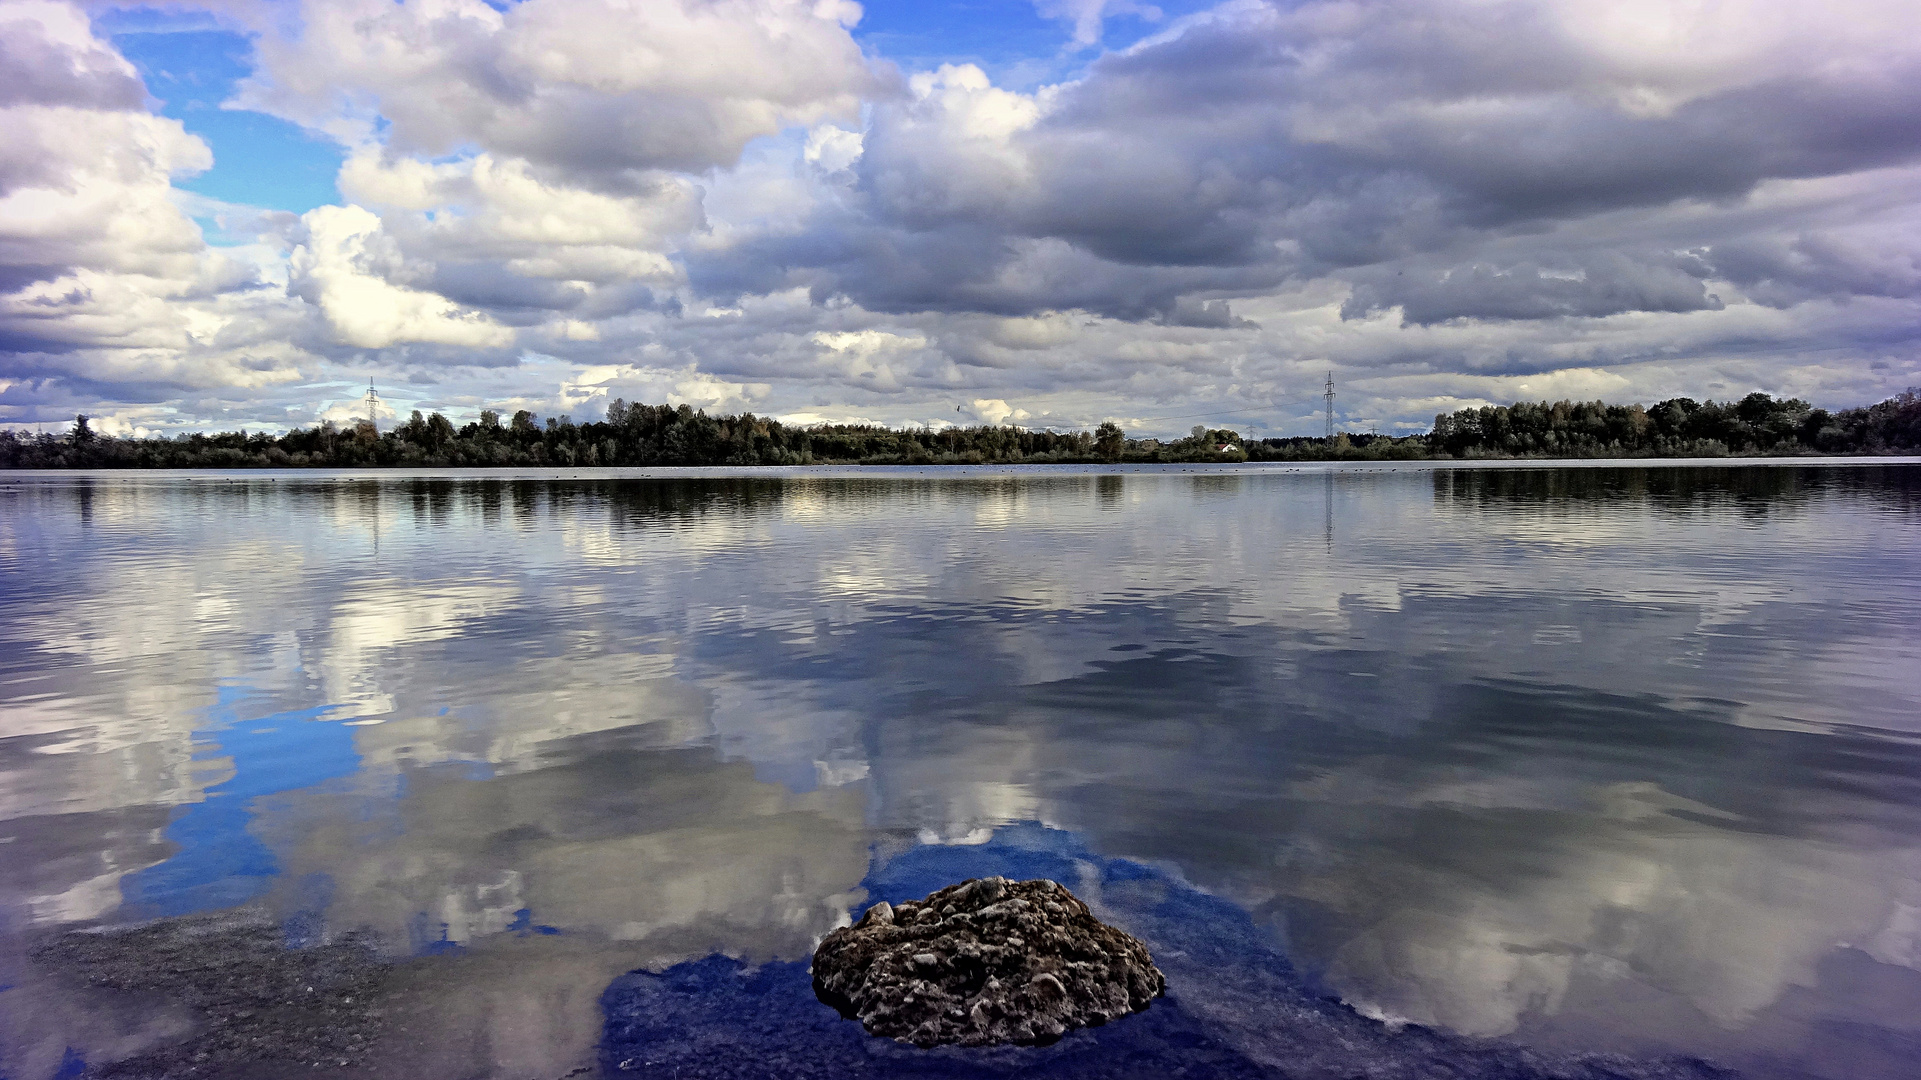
point(1473, 744)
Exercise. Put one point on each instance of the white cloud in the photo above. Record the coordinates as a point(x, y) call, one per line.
point(1443, 201)
point(505, 209)
point(345, 268)
point(701, 389)
point(87, 187)
point(592, 86)
point(994, 411)
point(832, 148)
point(103, 278)
point(872, 359)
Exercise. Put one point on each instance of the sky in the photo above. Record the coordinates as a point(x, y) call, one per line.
point(236, 213)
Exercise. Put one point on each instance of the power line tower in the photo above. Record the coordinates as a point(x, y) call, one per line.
point(1327, 396)
point(373, 403)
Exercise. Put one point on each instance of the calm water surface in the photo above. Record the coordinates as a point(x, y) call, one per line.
point(1621, 759)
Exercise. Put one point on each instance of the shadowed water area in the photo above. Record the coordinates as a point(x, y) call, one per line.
point(1397, 771)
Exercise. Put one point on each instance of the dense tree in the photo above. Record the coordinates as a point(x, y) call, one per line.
point(1343, 447)
point(1678, 427)
point(635, 434)
point(631, 435)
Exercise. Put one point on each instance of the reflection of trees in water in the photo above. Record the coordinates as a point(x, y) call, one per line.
point(1215, 484)
point(83, 499)
point(636, 504)
point(1750, 490)
point(642, 502)
point(632, 502)
point(432, 503)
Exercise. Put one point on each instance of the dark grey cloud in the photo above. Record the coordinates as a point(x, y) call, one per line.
point(1783, 270)
point(1601, 283)
point(492, 286)
point(960, 268)
point(1261, 145)
point(1210, 314)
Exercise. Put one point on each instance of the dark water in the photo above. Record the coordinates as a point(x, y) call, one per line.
point(1577, 760)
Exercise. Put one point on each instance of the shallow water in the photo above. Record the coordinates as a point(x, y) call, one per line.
point(1583, 759)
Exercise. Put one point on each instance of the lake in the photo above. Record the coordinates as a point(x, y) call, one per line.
point(1611, 759)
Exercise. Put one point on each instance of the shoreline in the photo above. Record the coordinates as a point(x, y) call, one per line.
point(1011, 469)
point(231, 993)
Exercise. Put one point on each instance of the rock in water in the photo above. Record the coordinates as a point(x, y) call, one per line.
point(983, 962)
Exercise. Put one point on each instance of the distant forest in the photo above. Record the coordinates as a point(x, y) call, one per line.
point(670, 435)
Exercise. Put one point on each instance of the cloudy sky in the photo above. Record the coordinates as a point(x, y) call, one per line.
point(1049, 212)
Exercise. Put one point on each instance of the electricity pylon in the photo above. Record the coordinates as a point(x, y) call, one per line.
point(1328, 396)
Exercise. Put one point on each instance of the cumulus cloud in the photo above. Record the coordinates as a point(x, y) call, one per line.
point(87, 189)
point(1422, 196)
point(346, 268)
point(875, 357)
point(107, 288)
point(592, 88)
point(992, 411)
point(833, 148)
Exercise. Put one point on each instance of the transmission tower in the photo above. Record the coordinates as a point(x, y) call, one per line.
point(1327, 396)
point(373, 403)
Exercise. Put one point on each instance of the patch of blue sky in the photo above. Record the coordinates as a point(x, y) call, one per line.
point(258, 160)
point(1011, 40)
point(218, 860)
point(191, 65)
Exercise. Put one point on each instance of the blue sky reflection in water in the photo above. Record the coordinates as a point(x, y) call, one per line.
point(1598, 758)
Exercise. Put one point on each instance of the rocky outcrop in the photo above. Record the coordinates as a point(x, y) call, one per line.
point(983, 962)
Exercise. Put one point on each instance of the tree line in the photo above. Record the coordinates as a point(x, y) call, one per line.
point(640, 435)
point(631, 435)
point(1679, 427)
